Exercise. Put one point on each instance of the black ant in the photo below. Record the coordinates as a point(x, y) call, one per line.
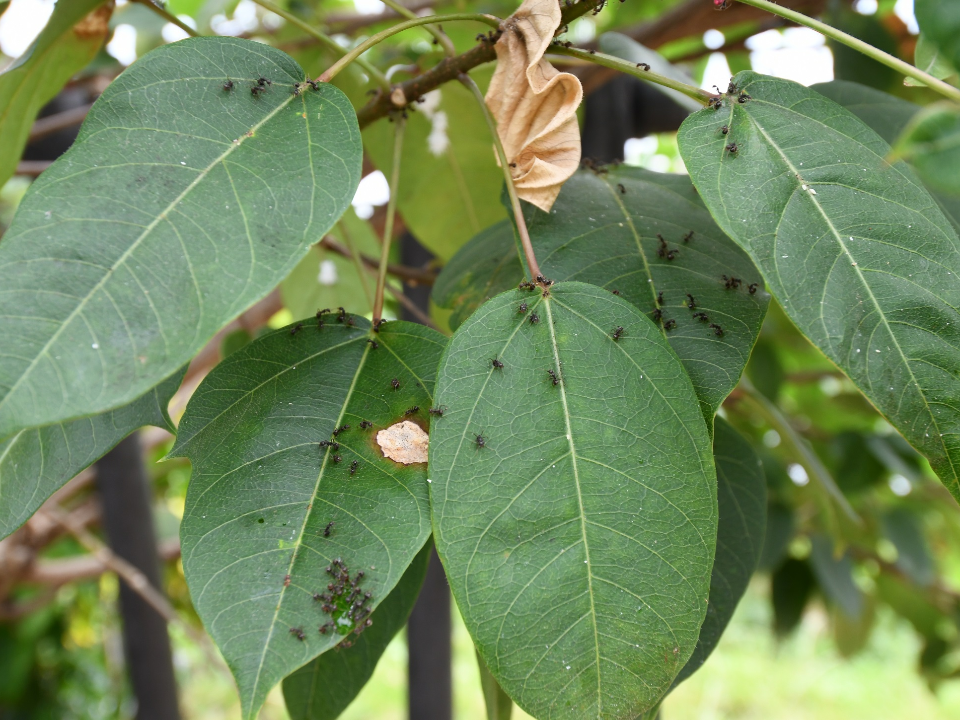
point(534, 318)
point(526, 285)
point(731, 283)
point(374, 344)
point(743, 97)
point(732, 148)
point(616, 292)
point(364, 424)
point(341, 315)
point(438, 411)
point(323, 628)
point(297, 632)
point(497, 364)
point(296, 88)
point(660, 298)
point(701, 316)
point(256, 90)
point(716, 103)
point(717, 330)
point(411, 410)
point(621, 188)
point(657, 314)
point(543, 281)
point(692, 303)
point(330, 444)
point(481, 441)
point(724, 130)
point(670, 324)
point(262, 81)
point(553, 377)
point(644, 67)
point(752, 287)
point(228, 85)
point(337, 459)
point(342, 428)
point(731, 87)
point(313, 83)
point(296, 328)
point(617, 333)
point(662, 250)
point(673, 253)
point(688, 237)
point(328, 528)
point(395, 383)
point(377, 324)
point(353, 467)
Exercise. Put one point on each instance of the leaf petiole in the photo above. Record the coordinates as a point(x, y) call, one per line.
point(391, 215)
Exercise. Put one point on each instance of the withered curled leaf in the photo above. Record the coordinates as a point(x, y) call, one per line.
point(535, 105)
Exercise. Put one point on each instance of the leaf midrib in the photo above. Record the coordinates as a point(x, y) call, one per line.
point(133, 246)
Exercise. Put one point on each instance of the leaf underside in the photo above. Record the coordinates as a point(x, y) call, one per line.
point(578, 541)
point(160, 224)
point(37, 462)
point(858, 253)
point(262, 492)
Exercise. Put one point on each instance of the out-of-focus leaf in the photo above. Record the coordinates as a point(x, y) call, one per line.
point(742, 500)
point(852, 634)
point(853, 65)
point(857, 468)
point(927, 57)
point(323, 688)
point(792, 586)
point(484, 267)
point(857, 252)
point(931, 143)
point(593, 495)
point(910, 602)
point(835, 576)
point(781, 524)
point(902, 527)
point(267, 509)
point(35, 463)
point(72, 37)
point(498, 704)
point(159, 225)
point(939, 21)
point(630, 50)
point(765, 370)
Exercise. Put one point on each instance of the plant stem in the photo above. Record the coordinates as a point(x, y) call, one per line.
point(325, 39)
point(508, 178)
point(357, 261)
point(373, 40)
point(615, 63)
point(169, 17)
point(890, 61)
point(815, 469)
point(437, 33)
point(391, 213)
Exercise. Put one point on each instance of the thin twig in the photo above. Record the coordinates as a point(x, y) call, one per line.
point(350, 22)
point(438, 34)
point(410, 275)
point(169, 17)
point(525, 241)
point(357, 260)
point(391, 214)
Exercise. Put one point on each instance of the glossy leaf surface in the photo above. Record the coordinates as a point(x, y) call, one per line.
point(323, 688)
point(742, 500)
point(159, 225)
point(37, 462)
point(858, 253)
point(578, 539)
point(256, 531)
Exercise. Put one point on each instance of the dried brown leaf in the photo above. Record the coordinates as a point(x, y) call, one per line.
point(535, 105)
point(404, 442)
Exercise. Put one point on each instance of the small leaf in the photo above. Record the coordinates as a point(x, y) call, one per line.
point(267, 509)
point(72, 37)
point(781, 524)
point(37, 462)
point(160, 225)
point(931, 143)
point(851, 635)
point(323, 688)
point(939, 22)
point(742, 496)
point(857, 252)
point(927, 57)
point(791, 588)
point(904, 529)
point(835, 576)
point(574, 500)
point(498, 704)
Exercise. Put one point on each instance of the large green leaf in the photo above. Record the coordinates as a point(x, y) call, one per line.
point(37, 462)
point(181, 204)
point(939, 21)
point(62, 49)
point(578, 539)
point(262, 492)
point(604, 230)
point(742, 499)
point(858, 253)
point(323, 688)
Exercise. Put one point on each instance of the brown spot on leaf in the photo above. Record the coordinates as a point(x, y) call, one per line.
point(96, 24)
point(404, 442)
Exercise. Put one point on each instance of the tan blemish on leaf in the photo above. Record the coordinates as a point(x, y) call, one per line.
point(96, 24)
point(404, 442)
point(535, 105)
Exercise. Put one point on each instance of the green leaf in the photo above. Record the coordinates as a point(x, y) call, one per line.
point(323, 688)
point(835, 576)
point(578, 540)
point(62, 49)
point(449, 179)
point(628, 49)
point(856, 251)
point(179, 206)
point(791, 588)
point(904, 529)
point(931, 143)
point(781, 524)
point(940, 23)
point(486, 266)
point(851, 635)
point(603, 230)
point(37, 462)
point(927, 57)
point(497, 703)
point(742, 496)
point(262, 493)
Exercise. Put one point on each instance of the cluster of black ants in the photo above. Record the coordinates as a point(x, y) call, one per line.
point(344, 599)
point(717, 102)
point(262, 83)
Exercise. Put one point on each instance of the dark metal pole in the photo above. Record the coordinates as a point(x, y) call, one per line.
point(128, 523)
point(429, 678)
